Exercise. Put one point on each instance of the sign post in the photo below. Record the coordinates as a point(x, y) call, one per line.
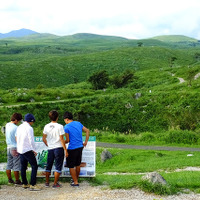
point(88, 164)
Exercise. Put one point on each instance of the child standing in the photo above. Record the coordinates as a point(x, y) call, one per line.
point(73, 132)
point(13, 158)
point(53, 137)
point(27, 150)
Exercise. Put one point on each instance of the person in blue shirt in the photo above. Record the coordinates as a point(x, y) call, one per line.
point(73, 132)
point(13, 158)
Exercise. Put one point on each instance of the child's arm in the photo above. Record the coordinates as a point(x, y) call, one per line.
point(63, 144)
point(44, 138)
point(67, 138)
point(87, 131)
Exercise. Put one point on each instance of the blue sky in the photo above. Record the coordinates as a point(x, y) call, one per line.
point(134, 19)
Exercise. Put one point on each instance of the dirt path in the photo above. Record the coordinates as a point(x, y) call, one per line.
point(85, 192)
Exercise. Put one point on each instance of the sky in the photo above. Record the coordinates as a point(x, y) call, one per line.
point(133, 19)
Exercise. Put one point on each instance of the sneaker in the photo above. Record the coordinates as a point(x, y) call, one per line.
point(35, 188)
point(57, 186)
point(74, 185)
point(46, 184)
point(71, 181)
point(10, 181)
point(26, 186)
point(18, 183)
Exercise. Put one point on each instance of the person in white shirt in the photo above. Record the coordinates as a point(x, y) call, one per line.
point(13, 159)
point(53, 137)
point(27, 150)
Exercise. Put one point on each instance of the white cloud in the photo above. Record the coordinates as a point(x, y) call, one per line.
point(127, 18)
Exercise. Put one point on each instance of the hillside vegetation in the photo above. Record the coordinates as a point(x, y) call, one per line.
point(43, 72)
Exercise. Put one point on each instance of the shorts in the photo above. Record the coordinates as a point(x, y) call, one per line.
point(57, 155)
point(13, 159)
point(74, 158)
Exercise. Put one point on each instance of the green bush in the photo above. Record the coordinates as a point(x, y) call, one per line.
point(184, 137)
point(120, 139)
point(147, 137)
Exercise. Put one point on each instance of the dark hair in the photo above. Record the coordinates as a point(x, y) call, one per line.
point(53, 115)
point(16, 116)
point(67, 115)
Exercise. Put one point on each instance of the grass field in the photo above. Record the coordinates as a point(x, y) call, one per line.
point(131, 165)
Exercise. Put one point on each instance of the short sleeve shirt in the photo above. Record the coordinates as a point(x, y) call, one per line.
point(11, 129)
point(74, 129)
point(53, 132)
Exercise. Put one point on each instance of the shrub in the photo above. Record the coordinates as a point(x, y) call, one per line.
point(184, 137)
point(147, 137)
point(99, 80)
point(120, 139)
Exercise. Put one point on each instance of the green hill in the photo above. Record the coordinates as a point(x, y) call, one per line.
point(174, 38)
point(43, 72)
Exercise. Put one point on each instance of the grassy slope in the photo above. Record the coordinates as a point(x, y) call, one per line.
point(168, 99)
point(57, 61)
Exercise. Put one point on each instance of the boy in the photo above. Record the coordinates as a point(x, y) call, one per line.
point(27, 150)
point(13, 159)
point(53, 137)
point(73, 132)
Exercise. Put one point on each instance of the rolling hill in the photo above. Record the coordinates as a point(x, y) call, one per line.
point(74, 58)
point(41, 72)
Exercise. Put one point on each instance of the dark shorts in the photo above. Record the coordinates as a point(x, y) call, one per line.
point(57, 155)
point(74, 158)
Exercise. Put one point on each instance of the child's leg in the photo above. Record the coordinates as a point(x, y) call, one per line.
point(16, 173)
point(56, 177)
point(78, 168)
point(47, 176)
point(8, 172)
point(16, 166)
point(9, 164)
point(59, 158)
point(50, 160)
point(32, 160)
point(24, 164)
point(73, 175)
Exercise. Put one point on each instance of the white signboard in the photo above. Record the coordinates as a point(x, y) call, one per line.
point(88, 164)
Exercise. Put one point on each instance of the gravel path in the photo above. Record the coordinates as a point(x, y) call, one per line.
point(125, 146)
point(85, 192)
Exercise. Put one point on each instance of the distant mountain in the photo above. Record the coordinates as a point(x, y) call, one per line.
point(174, 38)
point(18, 33)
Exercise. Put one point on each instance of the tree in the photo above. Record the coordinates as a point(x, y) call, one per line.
point(172, 60)
point(122, 80)
point(140, 44)
point(99, 80)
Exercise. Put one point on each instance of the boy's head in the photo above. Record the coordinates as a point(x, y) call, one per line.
point(29, 118)
point(53, 115)
point(16, 118)
point(67, 117)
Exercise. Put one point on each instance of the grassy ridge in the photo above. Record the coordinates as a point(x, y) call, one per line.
point(57, 70)
point(48, 68)
point(55, 61)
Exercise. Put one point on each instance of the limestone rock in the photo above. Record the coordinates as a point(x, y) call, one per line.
point(155, 177)
point(105, 155)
